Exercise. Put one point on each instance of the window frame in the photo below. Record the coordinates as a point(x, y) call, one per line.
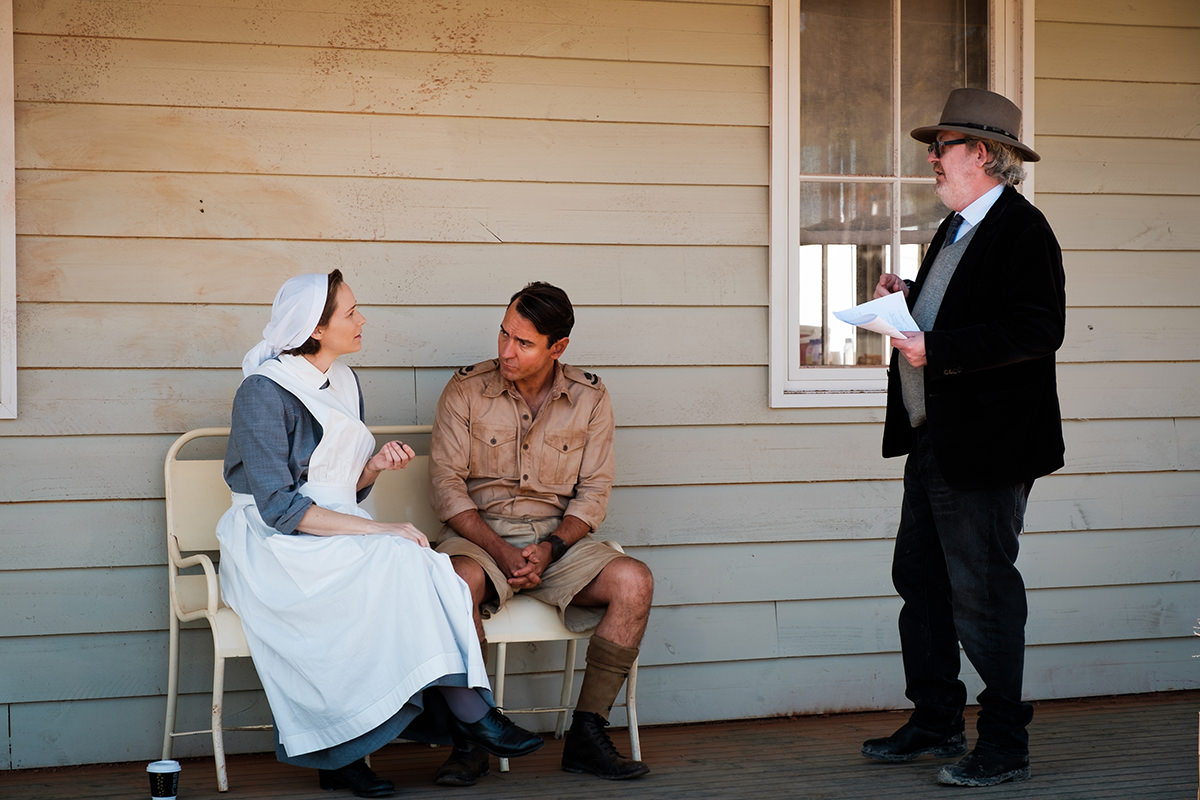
point(8, 219)
point(1010, 72)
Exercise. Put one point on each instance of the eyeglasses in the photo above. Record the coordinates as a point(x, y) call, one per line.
point(937, 148)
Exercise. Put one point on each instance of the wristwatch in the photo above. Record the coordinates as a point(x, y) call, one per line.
point(557, 547)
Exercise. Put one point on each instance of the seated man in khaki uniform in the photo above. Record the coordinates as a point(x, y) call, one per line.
point(522, 468)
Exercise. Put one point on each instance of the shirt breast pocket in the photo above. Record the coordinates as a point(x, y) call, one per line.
point(493, 452)
point(562, 456)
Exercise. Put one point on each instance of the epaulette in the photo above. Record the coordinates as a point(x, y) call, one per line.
point(579, 376)
point(482, 368)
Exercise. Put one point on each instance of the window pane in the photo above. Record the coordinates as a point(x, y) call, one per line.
point(943, 46)
point(845, 243)
point(849, 272)
point(920, 212)
point(837, 213)
point(846, 87)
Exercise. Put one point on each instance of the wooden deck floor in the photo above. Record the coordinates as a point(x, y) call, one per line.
point(1128, 747)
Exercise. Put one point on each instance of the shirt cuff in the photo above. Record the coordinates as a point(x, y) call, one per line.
point(449, 508)
point(587, 512)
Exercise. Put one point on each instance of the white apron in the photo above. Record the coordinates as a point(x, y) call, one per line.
point(344, 630)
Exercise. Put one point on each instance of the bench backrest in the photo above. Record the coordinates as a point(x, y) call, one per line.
point(196, 494)
point(402, 495)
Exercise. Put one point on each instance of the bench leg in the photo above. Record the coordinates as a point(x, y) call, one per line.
point(218, 733)
point(501, 665)
point(635, 742)
point(172, 688)
point(568, 683)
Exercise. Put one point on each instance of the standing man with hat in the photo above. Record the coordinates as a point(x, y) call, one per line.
point(973, 403)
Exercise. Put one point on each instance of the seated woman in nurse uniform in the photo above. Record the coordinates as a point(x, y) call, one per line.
point(355, 625)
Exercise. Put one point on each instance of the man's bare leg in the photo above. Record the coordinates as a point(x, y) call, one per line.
point(625, 588)
point(477, 581)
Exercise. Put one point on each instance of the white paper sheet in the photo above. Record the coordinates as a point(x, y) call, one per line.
point(887, 315)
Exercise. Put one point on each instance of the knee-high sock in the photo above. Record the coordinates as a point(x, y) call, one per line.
point(608, 664)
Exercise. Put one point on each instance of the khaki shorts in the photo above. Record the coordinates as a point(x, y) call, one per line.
point(561, 581)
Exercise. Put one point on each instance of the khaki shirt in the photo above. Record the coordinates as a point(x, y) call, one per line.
point(488, 454)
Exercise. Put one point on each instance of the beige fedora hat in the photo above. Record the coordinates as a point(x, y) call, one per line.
point(981, 114)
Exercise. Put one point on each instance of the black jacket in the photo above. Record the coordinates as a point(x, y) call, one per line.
point(991, 396)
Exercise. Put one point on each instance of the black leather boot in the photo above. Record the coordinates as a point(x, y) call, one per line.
point(984, 767)
point(587, 748)
point(911, 741)
point(465, 765)
point(496, 734)
point(358, 778)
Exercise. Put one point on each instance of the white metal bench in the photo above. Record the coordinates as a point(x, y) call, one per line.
point(197, 496)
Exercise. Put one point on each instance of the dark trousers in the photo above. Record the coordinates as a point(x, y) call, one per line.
point(954, 569)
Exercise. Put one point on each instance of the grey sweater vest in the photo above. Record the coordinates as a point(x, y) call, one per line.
point(912, 379)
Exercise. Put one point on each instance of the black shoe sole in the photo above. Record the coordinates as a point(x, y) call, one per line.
point(510, 753)
point(947, 778)
point(582, 771)
point(331, 786)
point(948, 751)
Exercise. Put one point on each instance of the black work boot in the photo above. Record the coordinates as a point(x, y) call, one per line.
point(984, 767)
point(913, 741)
point(358, 778)
point(587, 748)
point(466, 764)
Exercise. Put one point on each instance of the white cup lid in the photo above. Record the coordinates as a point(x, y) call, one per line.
point(163, 766)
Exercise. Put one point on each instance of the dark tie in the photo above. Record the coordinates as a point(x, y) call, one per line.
point(952, 229)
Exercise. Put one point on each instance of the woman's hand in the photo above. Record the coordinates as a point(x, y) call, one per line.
point(406, 530)
point(393, 455)
point(320, 521)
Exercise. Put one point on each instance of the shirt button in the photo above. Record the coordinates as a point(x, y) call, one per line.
point(564, 448)
point(493, 441)
point(524, 416)
point(525, 446)
point(524, 477)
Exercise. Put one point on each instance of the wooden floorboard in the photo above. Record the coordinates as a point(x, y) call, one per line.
point(1130, 747)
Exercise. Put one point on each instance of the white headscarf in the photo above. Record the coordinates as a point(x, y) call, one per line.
point(294, 315)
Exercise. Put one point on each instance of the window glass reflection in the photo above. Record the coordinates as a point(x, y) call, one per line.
point(846, 123)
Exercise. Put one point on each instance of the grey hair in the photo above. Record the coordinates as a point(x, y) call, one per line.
point(1005, 162)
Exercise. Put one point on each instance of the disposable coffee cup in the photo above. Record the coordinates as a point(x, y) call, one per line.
point(164, 779)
